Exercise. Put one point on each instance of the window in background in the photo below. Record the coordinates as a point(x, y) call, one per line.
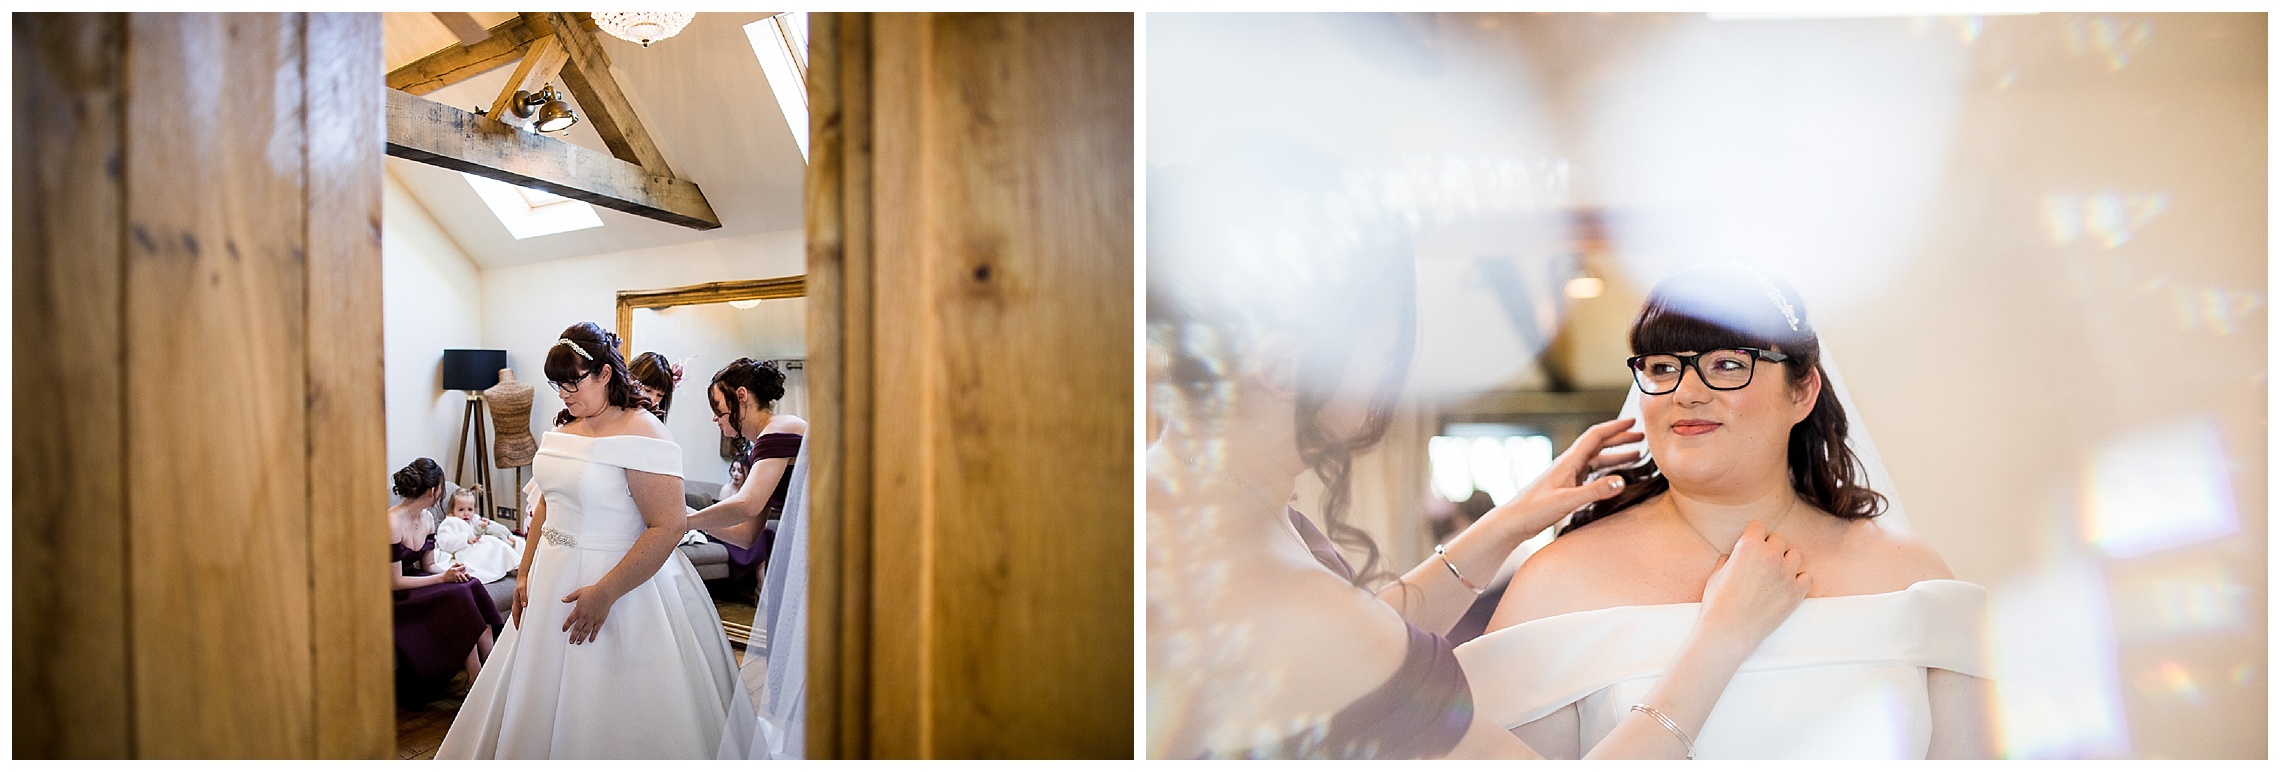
point(528, 212)
point(781, 43)
point(1498, 459)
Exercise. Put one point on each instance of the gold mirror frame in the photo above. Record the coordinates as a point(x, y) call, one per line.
point(697, 294)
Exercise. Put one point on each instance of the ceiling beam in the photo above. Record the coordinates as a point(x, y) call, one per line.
point(601, 104)
point(463, 26)
point(502, 47)
point(542, 60)
point(441, 135)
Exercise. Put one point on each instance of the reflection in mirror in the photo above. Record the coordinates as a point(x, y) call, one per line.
point(704, 337)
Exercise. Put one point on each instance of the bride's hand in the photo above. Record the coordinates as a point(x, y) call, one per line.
point(522, 598)
point(1562, 488)
point(586, 618)
point(1756, 587)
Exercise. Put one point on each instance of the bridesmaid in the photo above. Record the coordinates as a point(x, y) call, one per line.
point(443, 620)
point(654, 379)
point(743, 397)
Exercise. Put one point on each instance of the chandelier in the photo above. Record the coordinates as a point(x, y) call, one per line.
point(644, 27)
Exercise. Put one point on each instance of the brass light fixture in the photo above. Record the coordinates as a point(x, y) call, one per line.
point(553, 114)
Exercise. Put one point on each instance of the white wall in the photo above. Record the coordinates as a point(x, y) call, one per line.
point(526, 307)
point(431, 296)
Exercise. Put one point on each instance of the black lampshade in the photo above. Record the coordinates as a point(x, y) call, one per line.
point(474, 369)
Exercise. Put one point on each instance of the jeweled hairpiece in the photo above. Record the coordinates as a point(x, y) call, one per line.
point(1788, 311)
point(590, 357)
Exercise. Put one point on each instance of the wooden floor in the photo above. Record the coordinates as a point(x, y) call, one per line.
point(419, 731)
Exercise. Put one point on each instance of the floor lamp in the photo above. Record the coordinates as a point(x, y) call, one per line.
point(472, 371)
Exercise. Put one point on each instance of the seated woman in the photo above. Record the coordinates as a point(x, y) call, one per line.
point(443, 621)
point(1282, 314)
point(1881, 661)
point(487, 549)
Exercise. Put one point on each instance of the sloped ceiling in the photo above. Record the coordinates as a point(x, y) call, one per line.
point(703, 98)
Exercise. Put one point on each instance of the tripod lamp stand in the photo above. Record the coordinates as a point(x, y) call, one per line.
point(473, 370)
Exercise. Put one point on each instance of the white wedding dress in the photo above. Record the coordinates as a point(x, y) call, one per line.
point(658, 681)
point(1843, 678)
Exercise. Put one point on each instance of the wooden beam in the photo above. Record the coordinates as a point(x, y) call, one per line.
point(72, 686)
point(601, 104)
point(542, 60)
point(352, 642)
point(451, 65)
point(464, 26)
point(442, 135)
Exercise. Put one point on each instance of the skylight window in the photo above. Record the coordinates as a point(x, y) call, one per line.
point(781, 43)
point(528, 212)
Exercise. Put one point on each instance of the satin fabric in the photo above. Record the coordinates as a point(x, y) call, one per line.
point(657, 682)
point(1844, 677)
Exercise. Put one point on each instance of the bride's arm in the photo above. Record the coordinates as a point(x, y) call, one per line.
point(658, 497)
point(1961, 708)
point(1746, 598)
point(529, 548)
point(1431, 596)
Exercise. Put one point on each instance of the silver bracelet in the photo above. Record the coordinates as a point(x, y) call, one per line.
point(1670, 725)
point(1442, 551)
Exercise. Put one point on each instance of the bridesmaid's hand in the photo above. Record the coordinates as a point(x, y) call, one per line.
point(455, 574)
point(1754, 589)
point(1562, 487)
point(586, 618)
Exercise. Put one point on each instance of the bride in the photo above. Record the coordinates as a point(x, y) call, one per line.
point(1282, 317)
point(614, 650)
point(1881, 660)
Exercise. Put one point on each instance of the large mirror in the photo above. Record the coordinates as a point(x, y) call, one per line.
point(703, 328)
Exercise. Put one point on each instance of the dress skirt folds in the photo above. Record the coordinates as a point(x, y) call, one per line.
point(1843, 678)
point(658, 680)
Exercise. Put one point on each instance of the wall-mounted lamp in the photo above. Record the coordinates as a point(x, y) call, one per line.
point(553, 114)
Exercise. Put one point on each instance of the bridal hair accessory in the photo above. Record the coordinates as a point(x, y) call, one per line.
point(1670, 725)
point(1442, 551)
point(1788, 311)
point(574, 347)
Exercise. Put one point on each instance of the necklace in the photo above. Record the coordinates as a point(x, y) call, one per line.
point(1726, 552)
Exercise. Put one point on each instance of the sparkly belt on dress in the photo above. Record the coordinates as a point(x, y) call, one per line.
point(574, 541)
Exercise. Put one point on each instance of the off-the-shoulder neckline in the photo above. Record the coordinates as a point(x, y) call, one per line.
point(1908, 589)
point(610, 437)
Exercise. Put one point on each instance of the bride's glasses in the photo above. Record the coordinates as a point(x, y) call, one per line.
point(571, 387)
point(1726, 369)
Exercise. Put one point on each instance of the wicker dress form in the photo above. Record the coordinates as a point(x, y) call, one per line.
point(510, 415)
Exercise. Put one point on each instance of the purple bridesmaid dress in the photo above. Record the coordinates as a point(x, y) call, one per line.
point(1419, 713)
point(438, 624)
point(743, 562)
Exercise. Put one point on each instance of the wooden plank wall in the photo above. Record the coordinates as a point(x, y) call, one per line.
point(223, 268)
point(970, 230)
point(70, 523)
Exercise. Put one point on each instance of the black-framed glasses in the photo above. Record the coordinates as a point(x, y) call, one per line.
point(1725, 369)
point(570, 387)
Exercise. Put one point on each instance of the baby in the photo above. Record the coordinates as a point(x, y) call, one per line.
point(487, 548)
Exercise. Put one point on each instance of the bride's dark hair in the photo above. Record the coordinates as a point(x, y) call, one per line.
point(594, 348)
point(1268, 238)
point(1728, 306)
